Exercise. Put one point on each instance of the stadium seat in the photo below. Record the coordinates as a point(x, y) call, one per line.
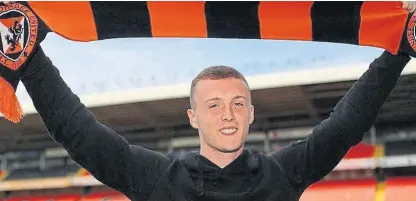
point(402, 189)
point(361, 150)
point(357, 190)
point(3, 174)
point(82, 172)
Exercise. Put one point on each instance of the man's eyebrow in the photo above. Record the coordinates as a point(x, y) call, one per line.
point(213, 99)
point(239, 96)
point(234, 98)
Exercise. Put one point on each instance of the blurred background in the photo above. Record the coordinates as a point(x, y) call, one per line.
point(139, 88)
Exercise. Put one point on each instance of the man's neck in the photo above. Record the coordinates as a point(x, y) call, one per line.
point(221, 159)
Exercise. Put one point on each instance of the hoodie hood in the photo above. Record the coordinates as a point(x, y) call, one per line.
point(207, 175)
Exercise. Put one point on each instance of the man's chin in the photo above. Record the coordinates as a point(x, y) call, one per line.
point(230, 149)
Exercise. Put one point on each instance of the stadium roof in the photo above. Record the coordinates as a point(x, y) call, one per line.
point(292, 99)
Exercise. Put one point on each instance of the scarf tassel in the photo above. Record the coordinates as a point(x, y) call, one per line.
point(9, 105)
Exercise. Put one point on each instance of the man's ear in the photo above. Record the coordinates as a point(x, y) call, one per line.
point(192, 118)
point(251, 114)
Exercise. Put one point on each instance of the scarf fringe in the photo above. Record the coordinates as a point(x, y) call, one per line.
point(9, 104)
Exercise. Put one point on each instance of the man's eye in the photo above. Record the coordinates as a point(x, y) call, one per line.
point(239, 104)
point(213, 106)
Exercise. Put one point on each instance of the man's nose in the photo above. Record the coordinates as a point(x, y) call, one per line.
point(228, 114)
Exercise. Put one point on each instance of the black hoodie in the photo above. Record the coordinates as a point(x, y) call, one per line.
point(145, 175)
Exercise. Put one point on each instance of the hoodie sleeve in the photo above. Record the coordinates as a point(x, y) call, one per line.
point(132, 170)
point(309, 160)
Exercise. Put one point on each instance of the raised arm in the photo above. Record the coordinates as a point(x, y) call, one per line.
point(101, 151)
point(309, 160)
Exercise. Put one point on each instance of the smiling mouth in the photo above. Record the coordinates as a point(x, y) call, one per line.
point(228, 131)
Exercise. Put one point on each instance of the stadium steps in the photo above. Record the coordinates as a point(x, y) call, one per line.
point(380, 191)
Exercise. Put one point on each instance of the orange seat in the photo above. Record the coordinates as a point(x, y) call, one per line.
point(2, 174)
point(360, 190)
point(402, 189)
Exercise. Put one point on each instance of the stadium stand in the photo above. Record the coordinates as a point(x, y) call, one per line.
point(53, 172)
point(381, 168)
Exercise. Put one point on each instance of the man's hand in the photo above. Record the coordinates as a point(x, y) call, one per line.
point(409, 6)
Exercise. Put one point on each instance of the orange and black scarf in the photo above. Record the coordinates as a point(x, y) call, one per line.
point(24, 25)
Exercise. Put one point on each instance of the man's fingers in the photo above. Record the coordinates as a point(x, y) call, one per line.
point(410, 6)
point(8, 2)
point(405, 5)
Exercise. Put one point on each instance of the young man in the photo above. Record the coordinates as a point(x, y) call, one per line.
point(222, 112)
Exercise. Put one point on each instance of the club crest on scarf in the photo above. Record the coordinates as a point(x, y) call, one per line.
point(18, 32)
point(411, 32)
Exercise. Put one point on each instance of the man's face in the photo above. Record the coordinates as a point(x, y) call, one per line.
point(222, 113)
